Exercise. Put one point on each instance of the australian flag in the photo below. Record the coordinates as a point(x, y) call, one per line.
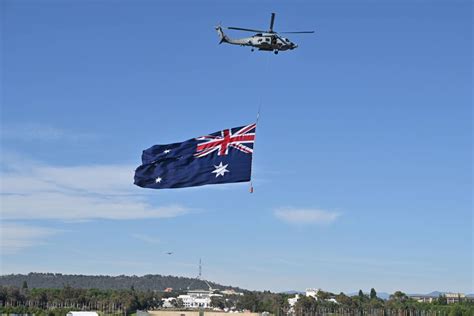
point(221, 157)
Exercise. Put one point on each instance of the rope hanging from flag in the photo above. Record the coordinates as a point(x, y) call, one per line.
point(254, 140)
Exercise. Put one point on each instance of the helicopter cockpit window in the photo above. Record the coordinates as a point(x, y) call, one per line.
point(267, 39)
point(259, 34)
point(287, 40)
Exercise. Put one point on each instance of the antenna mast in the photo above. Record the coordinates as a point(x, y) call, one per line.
point(199, 278)
point(200, 270)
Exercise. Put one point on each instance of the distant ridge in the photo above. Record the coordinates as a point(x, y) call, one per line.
point(152, 282)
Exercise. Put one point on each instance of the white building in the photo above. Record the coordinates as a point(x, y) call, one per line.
point(197, 299)
point(312, 293)
point(452, 298)
point(309, 293)
point(292, 300)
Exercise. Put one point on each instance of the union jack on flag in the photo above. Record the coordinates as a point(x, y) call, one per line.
point(217, 158)
point(240, 140)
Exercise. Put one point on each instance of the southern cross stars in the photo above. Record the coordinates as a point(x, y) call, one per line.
point(220, 169)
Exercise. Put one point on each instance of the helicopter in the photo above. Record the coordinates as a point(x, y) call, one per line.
point(263, 40)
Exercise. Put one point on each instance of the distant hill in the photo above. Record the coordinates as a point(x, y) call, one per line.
point(152, 282)
point(435, 293)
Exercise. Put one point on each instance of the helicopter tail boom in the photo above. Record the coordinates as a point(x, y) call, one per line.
point(224, 38)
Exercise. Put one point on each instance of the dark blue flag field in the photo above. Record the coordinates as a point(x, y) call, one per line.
point(221, 157)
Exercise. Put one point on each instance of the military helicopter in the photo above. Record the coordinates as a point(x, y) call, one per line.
point(263, 40)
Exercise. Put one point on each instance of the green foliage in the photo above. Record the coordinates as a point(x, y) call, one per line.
point(373, 294)
point(324, 295)
point(218, 301)
point(305, 303)
point(248, 301)
point(398, 297)
point(442, 300)
point(60, 301)
point(104, 282)
point(345, 300)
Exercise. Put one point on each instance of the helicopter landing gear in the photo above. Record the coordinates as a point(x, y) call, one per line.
point(275, 52)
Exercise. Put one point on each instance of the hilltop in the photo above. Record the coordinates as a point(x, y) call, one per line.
point(153, 282)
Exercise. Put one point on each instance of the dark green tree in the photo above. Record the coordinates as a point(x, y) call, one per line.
point(442, 300)
point(344, 300)
point(248, 301)
point(218, 301)
point(398, 296)
point(373, 294)
point(324, 295)
point(305, 303)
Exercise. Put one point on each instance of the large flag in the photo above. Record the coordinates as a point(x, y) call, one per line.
point(221, 157)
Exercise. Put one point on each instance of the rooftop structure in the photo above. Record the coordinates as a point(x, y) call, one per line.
point(452, 298)
point(197, 298)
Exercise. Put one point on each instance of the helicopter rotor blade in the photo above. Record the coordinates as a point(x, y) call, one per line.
point(298, 32)
point(246, 30)
point(272, 20)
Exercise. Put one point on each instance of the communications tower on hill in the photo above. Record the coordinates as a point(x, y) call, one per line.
point(199, 278)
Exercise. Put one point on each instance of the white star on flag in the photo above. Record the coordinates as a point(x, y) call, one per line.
point(220, 169)
point(158, 180)
point(166, 151)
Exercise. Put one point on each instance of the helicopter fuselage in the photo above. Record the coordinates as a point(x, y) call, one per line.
point(269, 42)
point(260, 41)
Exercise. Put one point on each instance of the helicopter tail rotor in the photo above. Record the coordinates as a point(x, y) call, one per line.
point(221, 34)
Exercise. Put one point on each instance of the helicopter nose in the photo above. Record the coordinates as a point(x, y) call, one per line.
point(294, 46)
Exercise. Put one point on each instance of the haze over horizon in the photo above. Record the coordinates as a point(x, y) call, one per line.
point(363, 160)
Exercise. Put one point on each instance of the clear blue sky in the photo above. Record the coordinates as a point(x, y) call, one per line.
point(363, 162)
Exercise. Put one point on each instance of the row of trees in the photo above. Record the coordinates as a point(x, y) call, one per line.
point(370, 304)
point(52, 301)
point(82, 299)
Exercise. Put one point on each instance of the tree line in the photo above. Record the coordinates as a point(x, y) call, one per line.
point(399, 304)
point(23, 300)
